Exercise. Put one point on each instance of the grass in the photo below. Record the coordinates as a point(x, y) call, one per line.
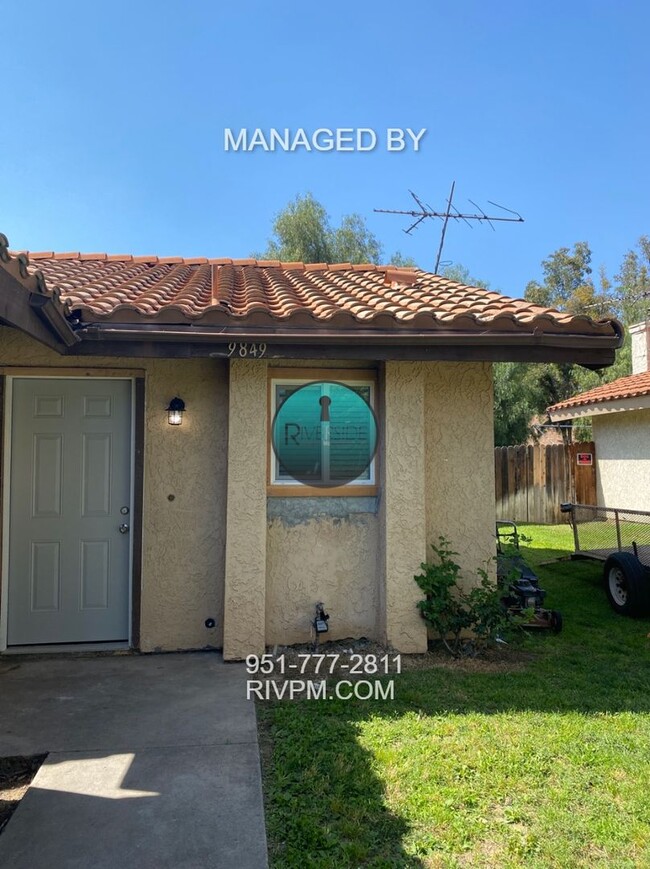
point(546, 764)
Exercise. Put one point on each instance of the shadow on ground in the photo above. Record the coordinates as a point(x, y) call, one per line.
point(152, 760)
point(326, 793)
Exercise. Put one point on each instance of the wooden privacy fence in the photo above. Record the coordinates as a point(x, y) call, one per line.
point(532, 481)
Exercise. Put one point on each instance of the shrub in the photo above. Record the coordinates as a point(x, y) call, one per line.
point(452, 612)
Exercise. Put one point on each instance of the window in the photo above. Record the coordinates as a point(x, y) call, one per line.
point(322, 432)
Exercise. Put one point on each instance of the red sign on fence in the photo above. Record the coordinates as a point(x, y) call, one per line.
point(585, 458)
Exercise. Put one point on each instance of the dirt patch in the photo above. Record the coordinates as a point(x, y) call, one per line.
point(350, 658)
point(16, 774)
point(498, 659)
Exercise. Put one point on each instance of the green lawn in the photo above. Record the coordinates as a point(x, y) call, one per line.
point(545, 764)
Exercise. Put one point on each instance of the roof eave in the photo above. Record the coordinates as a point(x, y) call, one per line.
point(38, 318)
point(600, 408)
point(594, 351)
point(43, 317)
point(50, 312)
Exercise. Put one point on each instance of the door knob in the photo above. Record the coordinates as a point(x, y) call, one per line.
point(124, 529)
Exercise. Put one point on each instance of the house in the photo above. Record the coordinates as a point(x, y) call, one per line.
point(119, 528)
point(620, 419)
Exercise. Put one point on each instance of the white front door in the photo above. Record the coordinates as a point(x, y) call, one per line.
point(69, 516)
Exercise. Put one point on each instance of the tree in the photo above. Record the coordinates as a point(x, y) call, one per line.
point(406, 262)
point(568, 284)
point(459, 272)
point(524, 390)
point(302, 232)
point(633, 283)
point(353, 242)
point(516, 401)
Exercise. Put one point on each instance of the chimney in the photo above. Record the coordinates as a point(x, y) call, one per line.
point(640, 333)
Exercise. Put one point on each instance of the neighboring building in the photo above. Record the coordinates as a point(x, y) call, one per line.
point(620, 419)
point(120, 527)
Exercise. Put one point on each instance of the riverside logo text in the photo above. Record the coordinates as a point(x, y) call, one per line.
point(322, 139)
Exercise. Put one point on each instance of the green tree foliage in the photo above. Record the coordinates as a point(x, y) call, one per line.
point(524, 390)
point(517, 399)
point(568, 284)
point(302, 232)
point(398, 259)
point(460, 273)
point(633, 283)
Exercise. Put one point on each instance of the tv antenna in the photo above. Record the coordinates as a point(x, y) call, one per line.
point(451, 213)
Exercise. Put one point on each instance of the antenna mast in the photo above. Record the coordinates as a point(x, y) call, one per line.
point(451, 213)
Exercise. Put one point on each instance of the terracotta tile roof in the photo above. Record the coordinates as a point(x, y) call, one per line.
point(171, 290)
point(632, 386)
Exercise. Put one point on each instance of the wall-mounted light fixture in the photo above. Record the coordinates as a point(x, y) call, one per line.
point(175, 411)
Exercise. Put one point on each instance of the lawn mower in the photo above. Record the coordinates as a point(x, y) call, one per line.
point(522, 594)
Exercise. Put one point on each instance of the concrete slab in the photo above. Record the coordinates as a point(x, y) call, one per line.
point(122, 702)
point(153, 762)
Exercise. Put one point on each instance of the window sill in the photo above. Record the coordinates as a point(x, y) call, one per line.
point(279, 491)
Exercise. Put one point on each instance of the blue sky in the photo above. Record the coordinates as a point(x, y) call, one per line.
point(113, 117)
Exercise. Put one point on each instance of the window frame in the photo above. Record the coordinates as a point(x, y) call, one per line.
point(301, 376)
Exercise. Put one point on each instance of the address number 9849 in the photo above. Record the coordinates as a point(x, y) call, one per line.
point(236, 348)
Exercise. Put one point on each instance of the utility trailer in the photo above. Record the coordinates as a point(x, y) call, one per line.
point(621, 540)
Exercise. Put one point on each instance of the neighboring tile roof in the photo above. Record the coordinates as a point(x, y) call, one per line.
point(632, 386)
point(173, 290)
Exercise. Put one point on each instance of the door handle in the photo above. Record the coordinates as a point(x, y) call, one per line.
point(124, 528)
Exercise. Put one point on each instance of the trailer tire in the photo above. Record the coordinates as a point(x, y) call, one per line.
point(627, 585)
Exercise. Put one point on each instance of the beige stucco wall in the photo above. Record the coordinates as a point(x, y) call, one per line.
point(322, 550)
point(183, 539)
point(436, 477)
point(320, 557)
point(640, 334)
point(623, 459)
point(403, 504)
point(459, 439)
point(244, 616)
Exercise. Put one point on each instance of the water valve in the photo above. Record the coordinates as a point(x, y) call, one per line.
point(321, 620)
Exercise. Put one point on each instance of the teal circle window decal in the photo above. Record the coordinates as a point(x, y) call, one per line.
point(324, 433)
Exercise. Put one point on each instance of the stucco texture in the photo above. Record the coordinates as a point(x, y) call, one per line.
point(261, 579)
point(640, 336)
point(403, 504)
point(623, 459)
point(245, 586)
point(325, 550)
point(436, 478)
point(184, 538)
point(322, 558)
point(459, 443)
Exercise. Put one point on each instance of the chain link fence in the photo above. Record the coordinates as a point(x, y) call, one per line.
point(600, 531)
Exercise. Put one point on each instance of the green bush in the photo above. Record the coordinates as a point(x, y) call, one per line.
point(452, 612)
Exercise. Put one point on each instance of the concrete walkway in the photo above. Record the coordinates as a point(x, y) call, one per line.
point(153, 762)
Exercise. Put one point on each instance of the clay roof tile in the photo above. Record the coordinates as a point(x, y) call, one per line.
point(632, 386)
point(104, 285)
